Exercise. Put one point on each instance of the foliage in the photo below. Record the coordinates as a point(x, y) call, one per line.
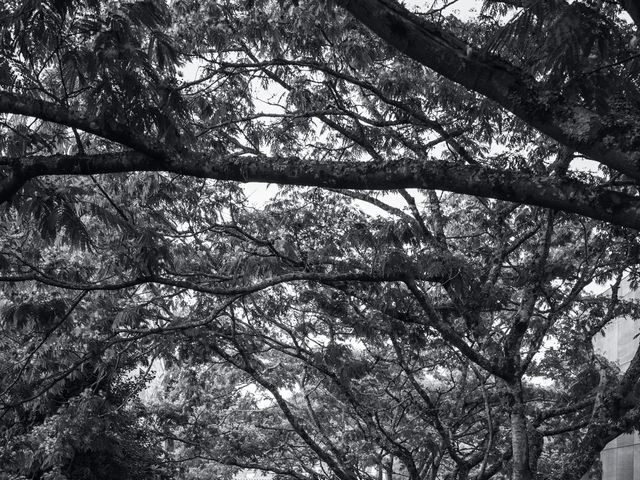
point(160, 320)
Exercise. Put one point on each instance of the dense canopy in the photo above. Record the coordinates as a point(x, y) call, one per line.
point(414, 295)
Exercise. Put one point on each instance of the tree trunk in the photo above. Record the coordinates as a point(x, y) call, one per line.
point(519, 436)
point(536, 445)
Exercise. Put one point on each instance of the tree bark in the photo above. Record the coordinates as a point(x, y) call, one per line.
point(519, 436)
point(555, 193)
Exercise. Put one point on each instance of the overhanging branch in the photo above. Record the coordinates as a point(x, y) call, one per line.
point(50, 112)
point(596, 136)
point(550, 192)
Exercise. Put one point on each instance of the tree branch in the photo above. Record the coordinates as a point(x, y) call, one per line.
point(544, 109)
point(556, 193)
point(48, 111)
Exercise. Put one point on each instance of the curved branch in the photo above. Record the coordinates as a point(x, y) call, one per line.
point(50, 112)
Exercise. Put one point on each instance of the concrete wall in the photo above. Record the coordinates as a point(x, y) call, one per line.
point(621, 457)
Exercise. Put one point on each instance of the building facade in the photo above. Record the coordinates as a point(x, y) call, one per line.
point(621, 457)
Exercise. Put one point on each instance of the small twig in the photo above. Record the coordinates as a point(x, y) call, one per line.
point(614, 64)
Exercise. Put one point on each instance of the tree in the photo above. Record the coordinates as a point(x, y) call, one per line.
point(573, 82)
point(370, 359)
point(303, 336)
point(68, 411)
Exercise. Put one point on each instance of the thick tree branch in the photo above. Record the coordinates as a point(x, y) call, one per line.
point(50, 112)
point(574, 126)
point(556, 193)
point(513, 339)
